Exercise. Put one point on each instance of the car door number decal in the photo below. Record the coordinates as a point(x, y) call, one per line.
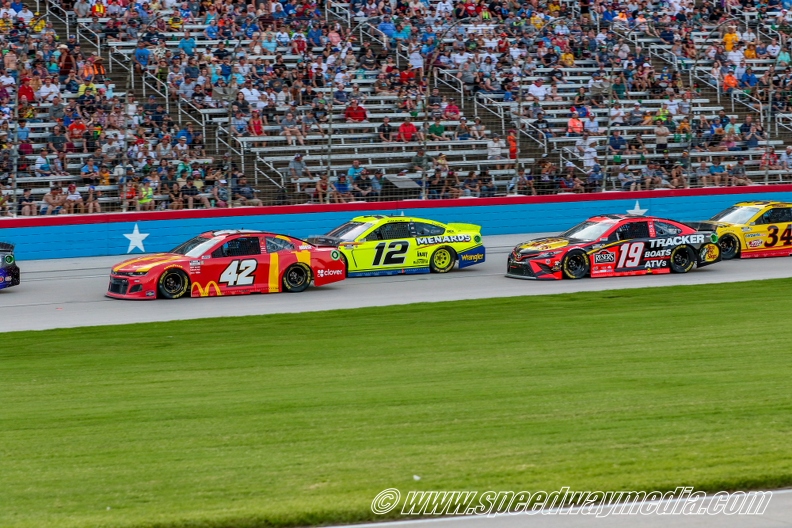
point(772, 235)
point(395, 254)
point(239, 273)
point(630, 255)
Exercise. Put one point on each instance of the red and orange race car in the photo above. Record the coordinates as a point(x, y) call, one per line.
point(233, 262)
point(615, 246)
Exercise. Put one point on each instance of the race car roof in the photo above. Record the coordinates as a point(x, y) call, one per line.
point(764, 203)
point(5, 246)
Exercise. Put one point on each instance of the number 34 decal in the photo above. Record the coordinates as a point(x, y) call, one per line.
point(772, 236)
point(239, 273)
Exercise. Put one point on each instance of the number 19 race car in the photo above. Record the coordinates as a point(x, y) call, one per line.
point(233, 262)
point(615, 246)
point(753, 230)
point(390, 245)
point(9, 271)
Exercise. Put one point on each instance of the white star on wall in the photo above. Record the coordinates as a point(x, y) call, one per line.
point(637, 209)
point(136, 239)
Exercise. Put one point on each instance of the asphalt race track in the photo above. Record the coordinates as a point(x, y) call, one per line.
point(70, 292)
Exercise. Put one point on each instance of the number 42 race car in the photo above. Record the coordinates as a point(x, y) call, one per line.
point(614, 246)
point(233, 262)
point(390, 245)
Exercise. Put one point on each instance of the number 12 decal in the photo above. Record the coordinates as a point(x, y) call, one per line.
point(394, 255)
point(630, 255)
point(239, 273)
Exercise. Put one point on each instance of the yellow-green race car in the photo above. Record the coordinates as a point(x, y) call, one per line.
point(752, 229)
point(393, 245)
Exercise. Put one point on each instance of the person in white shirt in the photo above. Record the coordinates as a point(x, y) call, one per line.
point(773, 49)
point(537, 91)
point(591, 125)
point(673, 105)
point(26, 15)
point(590, 156)
point(48, 91)
point(250, 92)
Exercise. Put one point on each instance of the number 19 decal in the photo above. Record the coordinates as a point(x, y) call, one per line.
point(394, 255)
point(239, 273)
point(630, 255)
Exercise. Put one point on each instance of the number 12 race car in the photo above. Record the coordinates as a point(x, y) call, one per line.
point(9, 271)
point(753, 230)
point(615, 246)
point(390, 245)
point(227, 263)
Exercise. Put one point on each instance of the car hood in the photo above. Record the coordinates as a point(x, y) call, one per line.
point(146, 263)
point(538, 245)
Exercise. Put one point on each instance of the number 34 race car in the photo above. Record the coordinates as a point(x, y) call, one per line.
point(753, 229)
point(614, 246)
point(227, 263)
point(9, 271)
point(390, 245)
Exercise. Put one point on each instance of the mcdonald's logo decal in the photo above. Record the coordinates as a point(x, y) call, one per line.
point(204, 292)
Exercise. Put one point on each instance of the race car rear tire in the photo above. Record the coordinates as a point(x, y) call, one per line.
point(442, 260)
point(296, 278)
point(575, 265)
point(173, 284)
point(729, 246)
point(343, 259)
point(682, 259)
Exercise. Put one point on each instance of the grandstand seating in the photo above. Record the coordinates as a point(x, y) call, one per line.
point(342, 142)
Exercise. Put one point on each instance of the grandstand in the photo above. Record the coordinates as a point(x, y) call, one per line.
point(412, 101)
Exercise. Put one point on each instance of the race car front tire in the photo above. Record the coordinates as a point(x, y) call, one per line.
point(296, 278)
point(442, 260)
point(173, 284)
point(575, 265)
point(682, 259)
point(729, 246)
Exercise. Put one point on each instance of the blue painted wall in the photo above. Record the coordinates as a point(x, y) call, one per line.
point(82, 240)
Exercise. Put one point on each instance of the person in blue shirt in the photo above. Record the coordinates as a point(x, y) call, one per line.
point(17, 6)
point(315, 36)
point(212, 31)
point(141, 57)
point(748, 80)
point(22, 131)
point(616, 143)
point(185, 133)
point(387, 27)
point(187, 44)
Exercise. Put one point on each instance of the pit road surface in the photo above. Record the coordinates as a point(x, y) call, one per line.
point(67, 293)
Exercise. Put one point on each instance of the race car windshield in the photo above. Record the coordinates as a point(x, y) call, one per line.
point(349, 231)
point(588, 230)
point(736, 215)
point(194, 247)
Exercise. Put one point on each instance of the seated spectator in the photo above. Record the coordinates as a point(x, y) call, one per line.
point(298, 169)
point(26, 205)
point(342, 190)
point(53, 202)
point(436, 131)
point(408, 132)
point(244, 195)
point(74, 201)
point(362, 187)
point(420, 162)
point(291, 130)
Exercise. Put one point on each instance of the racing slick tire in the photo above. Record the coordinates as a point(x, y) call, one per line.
point(442, 260)
point(575, 265)
point(729, 246)
point(343, 259)
point(682, 259)
point(173, 284)
point(296, 278)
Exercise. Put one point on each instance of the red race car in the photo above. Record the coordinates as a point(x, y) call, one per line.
point(227, 263)
point(615, 246)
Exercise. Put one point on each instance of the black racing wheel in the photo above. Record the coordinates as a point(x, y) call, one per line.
point(173, 284)
point(575, 265)
point(682, 259)
point(729, 246)
point(296, 278)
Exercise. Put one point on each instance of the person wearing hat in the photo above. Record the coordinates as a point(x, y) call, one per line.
point(574, 126)
point(146, 199)
point(221, 194)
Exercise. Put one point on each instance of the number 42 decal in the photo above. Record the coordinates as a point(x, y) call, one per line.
point(239, 273)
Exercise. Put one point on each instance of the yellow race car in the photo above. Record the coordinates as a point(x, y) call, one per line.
point(392, 245)
point(752, 229)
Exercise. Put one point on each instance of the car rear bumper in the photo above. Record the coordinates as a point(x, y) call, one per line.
point(9, 276)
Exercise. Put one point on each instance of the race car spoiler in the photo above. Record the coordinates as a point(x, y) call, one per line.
point(324, 241)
